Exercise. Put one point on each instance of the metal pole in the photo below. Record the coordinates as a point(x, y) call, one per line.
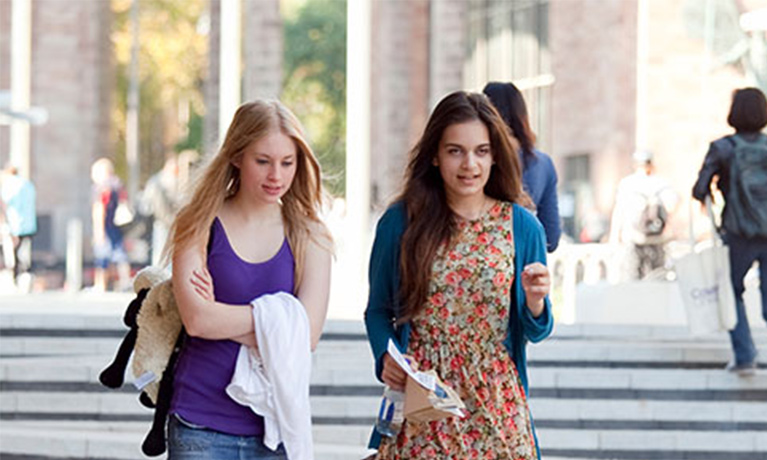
point(230, 67)
point(131, 118)
point(21, 58)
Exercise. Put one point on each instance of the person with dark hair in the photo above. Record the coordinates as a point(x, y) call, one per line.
point(539, 177)
point(739, 162)
point(458, 280)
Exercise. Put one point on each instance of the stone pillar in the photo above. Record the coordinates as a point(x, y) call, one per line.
point(210, 86)
point(72, 79)
point(262, 49)
point(399, 91)
point(447, 53)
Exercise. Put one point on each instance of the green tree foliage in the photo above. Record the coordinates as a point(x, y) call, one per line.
point(172, 61)
point(314, 85)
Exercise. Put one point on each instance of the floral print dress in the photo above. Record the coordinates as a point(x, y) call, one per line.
point(460, 333)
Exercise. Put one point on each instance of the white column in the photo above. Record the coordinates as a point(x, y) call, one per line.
point(21, 58)
point(356, 245)
point(230, 67)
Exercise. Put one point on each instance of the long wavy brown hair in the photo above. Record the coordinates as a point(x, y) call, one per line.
point(220, 181)
point(430, 221)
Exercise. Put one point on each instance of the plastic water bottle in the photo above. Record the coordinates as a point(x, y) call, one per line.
point(392, 412)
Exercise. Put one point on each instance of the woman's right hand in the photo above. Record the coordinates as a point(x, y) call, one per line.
point(203, 284)
point(393, 375)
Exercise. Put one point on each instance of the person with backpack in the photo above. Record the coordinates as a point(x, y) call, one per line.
point(739, 162)
point(108, 242)
point(643, 203)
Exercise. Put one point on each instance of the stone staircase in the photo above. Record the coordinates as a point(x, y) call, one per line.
point(597, 391)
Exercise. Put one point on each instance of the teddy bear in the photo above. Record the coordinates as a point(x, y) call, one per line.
point(154, 338)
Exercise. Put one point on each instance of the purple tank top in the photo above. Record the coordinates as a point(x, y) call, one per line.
point(205, 367)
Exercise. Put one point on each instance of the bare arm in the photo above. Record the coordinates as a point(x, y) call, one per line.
point(202, 316)
point(315, 288)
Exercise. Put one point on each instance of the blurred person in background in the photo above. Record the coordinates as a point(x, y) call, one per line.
point(739, 162)
point(643, 204)
point(108, 247)
point(18, 197)
point(539, 177)
point(160, 199)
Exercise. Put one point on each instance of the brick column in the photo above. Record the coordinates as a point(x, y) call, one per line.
point(262, 49)
point(72, 78)
point(399, 90)
point(448, 22)
point(210, 86)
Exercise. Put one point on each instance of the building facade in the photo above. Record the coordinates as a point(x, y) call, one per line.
point(601, 79)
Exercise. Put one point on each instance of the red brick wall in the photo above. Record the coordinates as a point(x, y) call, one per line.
point(687, 105)
point(399, 90)
point(593, 58)
point(262, 49)
point(447, 48)
point(71, 78)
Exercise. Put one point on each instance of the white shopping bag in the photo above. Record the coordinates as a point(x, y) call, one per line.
point(704, 282)
point(705, 286)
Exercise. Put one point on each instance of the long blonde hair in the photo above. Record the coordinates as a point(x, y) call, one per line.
point(220, 180)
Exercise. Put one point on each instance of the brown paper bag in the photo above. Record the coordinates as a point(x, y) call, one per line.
point(422, 405)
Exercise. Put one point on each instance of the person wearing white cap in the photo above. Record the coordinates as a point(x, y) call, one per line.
point(643, 203)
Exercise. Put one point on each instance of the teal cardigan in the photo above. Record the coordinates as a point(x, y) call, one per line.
point(384, 280)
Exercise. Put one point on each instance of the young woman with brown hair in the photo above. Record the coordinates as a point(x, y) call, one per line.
point(458, 281)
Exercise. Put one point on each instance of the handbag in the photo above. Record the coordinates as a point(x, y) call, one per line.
point(123, 214)
point(704, 283)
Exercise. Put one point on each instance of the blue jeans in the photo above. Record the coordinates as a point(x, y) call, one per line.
point(743, 253)
point(187, 441)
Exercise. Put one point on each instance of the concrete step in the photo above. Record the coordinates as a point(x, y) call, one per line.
point(57, 373)
point(330, 410)
point(597, 391)
point(354, 353)
point(122, 440)
point(113, 441)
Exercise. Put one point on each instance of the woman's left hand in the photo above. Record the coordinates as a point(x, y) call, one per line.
point(203, 284)
point(536, 283)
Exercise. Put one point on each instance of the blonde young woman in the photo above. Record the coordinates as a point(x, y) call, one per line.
point(251, 228)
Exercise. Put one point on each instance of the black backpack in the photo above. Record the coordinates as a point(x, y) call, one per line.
point(746, 210)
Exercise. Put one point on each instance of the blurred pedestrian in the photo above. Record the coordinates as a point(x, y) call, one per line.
point(161, 199)
point(643, 205)
point(457, 279)
point(108, 246)
point(739, 163)
point(251, 228)
point(18, 196)
point(539, 176)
